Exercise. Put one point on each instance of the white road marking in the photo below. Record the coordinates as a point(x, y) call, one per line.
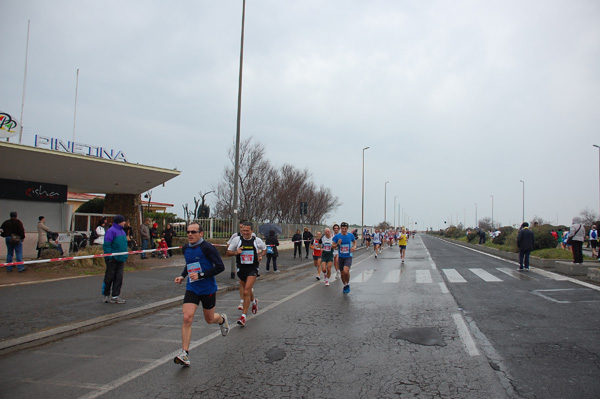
point(169, 357)
point(393, 276)
point(362, 277)
point(465, 335)
point(443, 288)
point(423, 277)
point(453, 276)
point(544, 273)
point(485, 276)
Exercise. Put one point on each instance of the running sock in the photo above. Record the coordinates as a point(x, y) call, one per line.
point(243, 314)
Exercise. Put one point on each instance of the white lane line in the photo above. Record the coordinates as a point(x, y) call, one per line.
point(465, 335)
point(433, 266)
point(444, 288)
point(363, 277)
point(544, 273)
point(485, 276)
point(453, 276)
point(519, 275)
point(169, 357)
point(393, 276)
point(423, 277)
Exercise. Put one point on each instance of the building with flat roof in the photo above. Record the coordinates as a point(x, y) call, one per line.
point(36, 181)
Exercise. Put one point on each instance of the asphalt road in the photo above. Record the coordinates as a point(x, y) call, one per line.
point(403, 331)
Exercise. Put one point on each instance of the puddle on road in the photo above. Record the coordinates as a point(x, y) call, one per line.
point(274, 355)
point(428, 336)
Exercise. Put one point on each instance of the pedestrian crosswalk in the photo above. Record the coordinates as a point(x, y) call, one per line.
point(452, 276)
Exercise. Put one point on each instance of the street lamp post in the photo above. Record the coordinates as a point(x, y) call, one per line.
point(492, 211)
point(598, 147)
point(362, 219)
point(385, 202)
point(476, 225)
point(236, 175)
point(394, 222)
point(523, 200)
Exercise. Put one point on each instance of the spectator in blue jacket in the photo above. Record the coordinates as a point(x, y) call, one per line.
point(115, 241)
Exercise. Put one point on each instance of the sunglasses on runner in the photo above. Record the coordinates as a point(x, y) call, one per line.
point(193, 232)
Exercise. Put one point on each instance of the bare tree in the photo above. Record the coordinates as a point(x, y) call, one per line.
point(268, 194)
point(485, 223)
point(588, 216)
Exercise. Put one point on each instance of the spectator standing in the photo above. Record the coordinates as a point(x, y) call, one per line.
point(272, 253)
point(154, 235)
point(594, 241)
point(14, 235)
point(576, 236)
point(100, 231)
point(307, 237)
point(115, 241)
point(145, 236)
point(168, 235)
point(297, 239)
point(43, 231)
point(525, 241)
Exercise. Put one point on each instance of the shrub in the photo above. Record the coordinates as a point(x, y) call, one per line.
point(454, 232)
point(472, 235)
point(504, 232)
point(543, 237)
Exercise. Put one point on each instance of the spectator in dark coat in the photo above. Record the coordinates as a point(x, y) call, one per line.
point(525, 241)
point(307, 237)
point(168, 235)
point(14, 233)
point(297, 239)
point(272, 253)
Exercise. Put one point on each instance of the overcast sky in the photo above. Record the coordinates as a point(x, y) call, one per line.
point(457, 100)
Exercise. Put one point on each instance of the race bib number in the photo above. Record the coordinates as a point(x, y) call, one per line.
point(247, 257)
point(345, 248)
point(193, 268)
point(326, 247)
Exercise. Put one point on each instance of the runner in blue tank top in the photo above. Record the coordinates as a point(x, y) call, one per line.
point(346, 245)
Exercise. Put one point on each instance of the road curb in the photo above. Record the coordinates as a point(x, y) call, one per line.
point(57, 333)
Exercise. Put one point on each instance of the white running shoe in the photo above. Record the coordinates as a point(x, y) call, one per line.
point(182, 358)
point(241, 305)
point(225, 326)
point(326, 283)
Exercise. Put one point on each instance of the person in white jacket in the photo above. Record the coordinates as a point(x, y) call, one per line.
point(100, 231)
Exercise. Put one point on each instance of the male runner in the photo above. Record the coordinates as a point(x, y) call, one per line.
point(346, 244)
point(249, 251)
point(237, 234)
point(203, 263)
point(376, 241)
point(336, 229)
point(402, 241)
point(327, 256)
point(315, 245)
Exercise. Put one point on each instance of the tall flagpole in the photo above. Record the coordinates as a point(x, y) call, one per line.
point(75, 112)
point(24, 83)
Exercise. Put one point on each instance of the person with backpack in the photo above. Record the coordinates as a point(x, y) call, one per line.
point(272, 253)
point(594, 241)
point(97, 235)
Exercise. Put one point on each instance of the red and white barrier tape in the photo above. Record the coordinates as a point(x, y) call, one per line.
point(30, 262)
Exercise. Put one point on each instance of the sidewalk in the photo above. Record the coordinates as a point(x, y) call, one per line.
point(35, 311)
